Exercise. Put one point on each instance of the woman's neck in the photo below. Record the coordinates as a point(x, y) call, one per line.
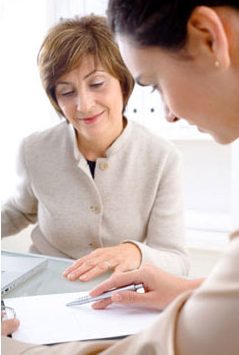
point(95, 147)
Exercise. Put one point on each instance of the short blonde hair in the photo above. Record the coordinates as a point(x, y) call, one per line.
point(70, 41)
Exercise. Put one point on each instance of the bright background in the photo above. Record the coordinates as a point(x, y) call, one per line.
point(211, 170)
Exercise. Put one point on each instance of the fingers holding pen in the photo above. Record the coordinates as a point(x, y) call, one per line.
point(118, 279)
point(102, 304)
point(153, 297)
point(125, 297)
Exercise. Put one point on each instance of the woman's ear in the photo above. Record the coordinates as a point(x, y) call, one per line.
point(206, 33)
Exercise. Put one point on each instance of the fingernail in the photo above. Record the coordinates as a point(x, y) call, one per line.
point(71, 276)
point(83, 277)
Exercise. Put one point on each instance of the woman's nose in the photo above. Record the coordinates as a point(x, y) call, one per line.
point(84, 102)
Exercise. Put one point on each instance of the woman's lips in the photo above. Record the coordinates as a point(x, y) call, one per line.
point(91, 119)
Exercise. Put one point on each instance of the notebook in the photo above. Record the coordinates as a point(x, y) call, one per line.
point(17, 269)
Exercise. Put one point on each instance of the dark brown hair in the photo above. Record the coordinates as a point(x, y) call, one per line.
point(160, 23)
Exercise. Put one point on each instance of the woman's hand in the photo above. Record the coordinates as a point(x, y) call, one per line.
point(160, 287)
point(123, 257)
point(9, 326)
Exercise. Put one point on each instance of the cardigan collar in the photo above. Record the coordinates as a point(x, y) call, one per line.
point(118, 144)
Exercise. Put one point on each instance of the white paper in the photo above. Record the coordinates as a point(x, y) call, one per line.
point(46, 319)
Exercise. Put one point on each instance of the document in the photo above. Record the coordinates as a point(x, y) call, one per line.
point(46, 319)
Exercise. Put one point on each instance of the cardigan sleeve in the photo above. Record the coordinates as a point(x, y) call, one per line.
point(21, 209)
point(164, 244)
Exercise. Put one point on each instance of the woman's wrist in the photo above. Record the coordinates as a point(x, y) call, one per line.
point(135, 249)
point(192, 284)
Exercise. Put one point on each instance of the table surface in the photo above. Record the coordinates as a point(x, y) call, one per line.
point(50, 279)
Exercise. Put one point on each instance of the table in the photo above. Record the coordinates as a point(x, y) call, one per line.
point(50, 279)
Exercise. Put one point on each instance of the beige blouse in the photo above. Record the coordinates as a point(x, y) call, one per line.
point(136, 195)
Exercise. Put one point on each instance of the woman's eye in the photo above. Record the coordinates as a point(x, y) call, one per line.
point(67, 93)
point(96, 85)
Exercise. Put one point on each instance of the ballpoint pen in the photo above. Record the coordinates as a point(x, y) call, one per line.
point(108, 294)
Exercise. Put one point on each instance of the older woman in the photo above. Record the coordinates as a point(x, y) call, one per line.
point(191, 54)
point(101, 189)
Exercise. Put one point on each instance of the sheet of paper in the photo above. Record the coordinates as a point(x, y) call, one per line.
point(46, 319)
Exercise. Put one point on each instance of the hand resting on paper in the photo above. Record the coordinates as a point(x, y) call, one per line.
point(160, 287)
point(122, 257)
point(9, 326)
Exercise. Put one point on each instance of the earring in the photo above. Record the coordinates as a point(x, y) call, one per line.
point(216, 64)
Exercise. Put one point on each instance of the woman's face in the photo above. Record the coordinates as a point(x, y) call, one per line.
point(91, 100)
point(192, 89)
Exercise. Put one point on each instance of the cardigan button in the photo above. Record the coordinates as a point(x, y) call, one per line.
point(103, 166)
point(95, 209)
point(93, 245)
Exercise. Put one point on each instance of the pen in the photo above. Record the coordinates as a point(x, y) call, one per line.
point(108, 294)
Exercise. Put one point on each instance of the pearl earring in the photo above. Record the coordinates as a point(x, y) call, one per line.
point(216, 64)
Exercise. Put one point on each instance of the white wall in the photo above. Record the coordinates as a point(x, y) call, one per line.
point(207, 184)
point(24, 105)
point(207, 175)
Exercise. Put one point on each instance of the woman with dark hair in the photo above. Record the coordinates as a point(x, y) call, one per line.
point(161, 43)
point(189, 51)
